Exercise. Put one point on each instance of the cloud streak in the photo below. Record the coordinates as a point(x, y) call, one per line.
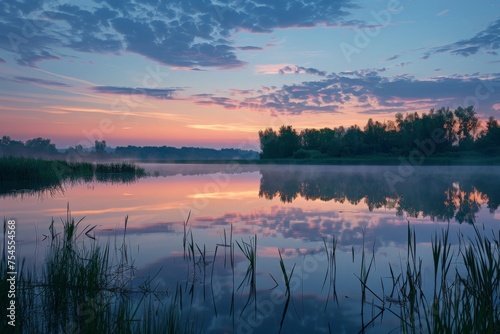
point(35, 81)
point(267, 69)
point(162, 94)
point(487, 40)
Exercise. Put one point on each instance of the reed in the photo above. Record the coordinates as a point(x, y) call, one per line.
point(249, 250)
point(287, 278)
point(464, 301)
point(81, 288)
point(84, 286)
point(331, 271)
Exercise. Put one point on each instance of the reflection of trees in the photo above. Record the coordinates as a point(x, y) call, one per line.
point(51, 187)
point(439, 196)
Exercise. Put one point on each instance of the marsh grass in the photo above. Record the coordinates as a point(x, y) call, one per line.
point(19, 174)
point(287, 277)
point(249, 250)
point(465, 300)
point(86, 287)
point(331, 271)
point(465, 289)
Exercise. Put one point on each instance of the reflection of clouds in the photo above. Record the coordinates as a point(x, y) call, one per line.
point(300, 226)
point(297, 224)
point(170, 228)
point(381, 228)
point(225, 195)
point(212, 302)
point(126, 209)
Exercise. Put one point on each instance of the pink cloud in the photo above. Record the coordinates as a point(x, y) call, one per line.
point(270, 68)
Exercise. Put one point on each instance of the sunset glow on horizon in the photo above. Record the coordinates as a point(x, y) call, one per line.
point(212, 74)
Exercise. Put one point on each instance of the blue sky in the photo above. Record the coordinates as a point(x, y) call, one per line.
point(212, 73)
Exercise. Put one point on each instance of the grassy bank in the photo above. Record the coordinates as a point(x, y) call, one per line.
point(19, 173)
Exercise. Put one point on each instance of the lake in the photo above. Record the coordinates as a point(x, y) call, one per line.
point(302, 214)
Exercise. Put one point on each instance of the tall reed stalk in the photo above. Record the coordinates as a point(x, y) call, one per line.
point(80, 288)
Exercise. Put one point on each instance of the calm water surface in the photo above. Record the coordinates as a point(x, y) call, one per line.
point(295, 209)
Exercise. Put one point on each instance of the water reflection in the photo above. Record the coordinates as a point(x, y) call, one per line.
point(293, 211)
point(53, 187)
point(442, 194)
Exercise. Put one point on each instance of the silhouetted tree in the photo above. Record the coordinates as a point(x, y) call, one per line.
point(438, 131)
point(354, 141)
point(468, 125)
point(489, 141)
point(289, 141)
point(269, 144)
point(310, 139)
point(5, 140)
point(100, 146)
point(40, 146)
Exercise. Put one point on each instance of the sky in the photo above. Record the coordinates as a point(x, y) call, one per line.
point(209, 73)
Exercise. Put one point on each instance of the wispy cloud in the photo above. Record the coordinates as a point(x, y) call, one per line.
point(66, 77)
point(35, 81)
point(227, 127)
point(163, 93)
point(487, 40)
point(130, 113)
point(266, 69)
point(250, 48)
point(393, 57)
point(443, 12)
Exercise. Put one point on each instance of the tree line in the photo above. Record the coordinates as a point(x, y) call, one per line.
point(44, 148)
point(450, 131)
point(33, 147)
point(183, 153)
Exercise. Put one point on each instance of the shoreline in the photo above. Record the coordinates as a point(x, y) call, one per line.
point(367, 161)
point(345, 161)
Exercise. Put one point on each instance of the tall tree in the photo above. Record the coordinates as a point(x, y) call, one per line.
point(468, 125)
point(269, 144)
point(41, 146)
point(375, 135)
point(310, 139)
point(489, 142)
point(289, 141)
point(100, 146)
point(354, 141)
